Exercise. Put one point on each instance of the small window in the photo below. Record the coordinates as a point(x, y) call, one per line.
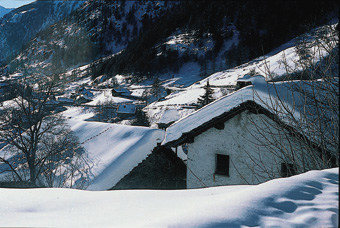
point(222, 164)
point(288, 169)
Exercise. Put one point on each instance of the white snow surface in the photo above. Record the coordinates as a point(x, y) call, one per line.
point(114, 149)
point(305, 200)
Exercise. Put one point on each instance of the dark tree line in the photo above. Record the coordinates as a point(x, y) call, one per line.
point(262, 25)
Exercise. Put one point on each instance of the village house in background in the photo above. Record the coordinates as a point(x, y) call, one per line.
point(121, 92)
point(126, 110)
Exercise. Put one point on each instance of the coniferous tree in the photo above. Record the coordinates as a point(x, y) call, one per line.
point(156, 88)
point(141, 119)
point(207, 97)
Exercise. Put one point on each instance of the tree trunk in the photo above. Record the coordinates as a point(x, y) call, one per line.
point(32, 169)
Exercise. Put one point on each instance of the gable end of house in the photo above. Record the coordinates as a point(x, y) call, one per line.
point(254, 108)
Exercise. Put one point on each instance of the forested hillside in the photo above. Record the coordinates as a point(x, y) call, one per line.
point(95, 30)
point(22, 24)
point(148, 38)
point(225, 33)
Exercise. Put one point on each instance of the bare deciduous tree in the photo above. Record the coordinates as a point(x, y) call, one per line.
point(41, 148)
point(305, 135)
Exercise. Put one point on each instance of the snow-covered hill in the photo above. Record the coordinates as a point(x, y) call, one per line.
point(23, 23)
point(181, 102)
point(305, 200)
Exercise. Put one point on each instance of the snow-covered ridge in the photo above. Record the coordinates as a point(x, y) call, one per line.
point(305, 200)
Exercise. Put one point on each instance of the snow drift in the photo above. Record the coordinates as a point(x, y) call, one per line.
point(306, 200)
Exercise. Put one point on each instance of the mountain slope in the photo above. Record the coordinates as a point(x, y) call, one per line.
point(21, 24)
point(216, 33)
point(149, 39)
point(97, 29)
point(4, 11)
point(182, 101)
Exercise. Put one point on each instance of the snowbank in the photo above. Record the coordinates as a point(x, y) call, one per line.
point(306, 200)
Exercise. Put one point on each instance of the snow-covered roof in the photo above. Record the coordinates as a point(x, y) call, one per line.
point(65, 99)
point(262, 93)
point(52, 102)
point(87, 93)
point(258, 79)
point(106, 97)
point(205, 114)
point(122, 91)
point(126, 109)
point(114, 149)
point(14, 103)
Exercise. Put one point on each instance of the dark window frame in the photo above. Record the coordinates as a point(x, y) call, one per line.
point(222, 164)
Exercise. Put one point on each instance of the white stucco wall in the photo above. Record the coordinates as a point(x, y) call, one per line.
point(237, 141)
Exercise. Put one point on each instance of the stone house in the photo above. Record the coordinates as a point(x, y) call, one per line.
point(162, 169)
point(221, 142)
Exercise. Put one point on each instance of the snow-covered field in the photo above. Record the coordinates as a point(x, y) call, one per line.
point(306, 200)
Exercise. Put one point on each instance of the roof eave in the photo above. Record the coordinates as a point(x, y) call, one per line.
point(214, 122)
